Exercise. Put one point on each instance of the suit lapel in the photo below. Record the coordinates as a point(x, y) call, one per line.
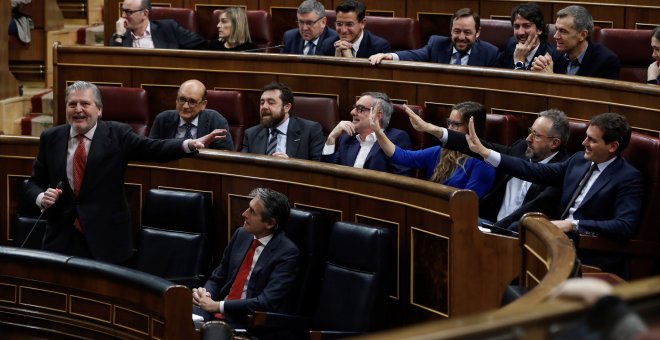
point(602, 180)
point(99, 147)
point(173, 125)
point(292, 137)
point(352, 150)
point(203, 124)
point(156, 36)
point(260, 140)
point(61, 143)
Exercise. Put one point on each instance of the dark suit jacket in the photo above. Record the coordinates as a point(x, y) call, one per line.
point(506, 58)
point(489, 205)
point(101, 205)
point(294, 43)
point(304, 139)
point(270, 282)
point(166, 125)
point(598, 62)
point(347, 148)
point(168, 33)
point(371, 44)
point(439, 50)
point(612, 205)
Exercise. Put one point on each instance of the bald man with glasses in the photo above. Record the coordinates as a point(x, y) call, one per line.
point(191, 118)
point(134, 29)
point(312, 30)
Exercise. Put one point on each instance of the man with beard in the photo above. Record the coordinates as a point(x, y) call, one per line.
point(191, 119)
point(463, 48)
point(510, 197)
point(280, 134)
point(530, 38)
point(311, 32)
point(576, 54)
point(355, 144)
point(134, 29)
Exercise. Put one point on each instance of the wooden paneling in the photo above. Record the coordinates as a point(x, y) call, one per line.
point(9, 86)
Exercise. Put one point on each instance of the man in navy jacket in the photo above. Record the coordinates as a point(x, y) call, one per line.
point(312, 31)
point(462, 48)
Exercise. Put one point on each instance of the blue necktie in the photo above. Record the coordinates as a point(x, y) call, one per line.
point(459, 56)
point(188, 134)
point(272, 142)
point(311, 48)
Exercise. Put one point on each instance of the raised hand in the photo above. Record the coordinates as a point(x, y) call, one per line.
point(474, 142)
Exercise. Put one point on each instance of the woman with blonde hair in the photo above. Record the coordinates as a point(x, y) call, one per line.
point(445, 166)
point(233, 32)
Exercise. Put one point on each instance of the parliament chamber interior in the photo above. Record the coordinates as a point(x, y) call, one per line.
point(437, 275)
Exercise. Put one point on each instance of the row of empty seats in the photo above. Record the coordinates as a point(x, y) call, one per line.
point(632, 46)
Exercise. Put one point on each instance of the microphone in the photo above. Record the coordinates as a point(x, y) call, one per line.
point(263, 48)
point(59, 186)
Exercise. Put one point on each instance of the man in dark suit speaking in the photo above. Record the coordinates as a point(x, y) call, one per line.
point(601, 192)
point(258, 267)
point(280, 134)
point(78, 175)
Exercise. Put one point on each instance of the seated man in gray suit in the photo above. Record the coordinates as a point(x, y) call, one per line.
point(280, 134)
point(191, 118)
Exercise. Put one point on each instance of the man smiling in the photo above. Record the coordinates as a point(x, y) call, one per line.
point(462, 48)
point(280, 134)
point(576, 54)
point(530, 38)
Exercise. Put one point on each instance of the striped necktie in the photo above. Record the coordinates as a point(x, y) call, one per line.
point(272, 142)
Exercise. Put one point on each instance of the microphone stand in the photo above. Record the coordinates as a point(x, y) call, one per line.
point(59, 186)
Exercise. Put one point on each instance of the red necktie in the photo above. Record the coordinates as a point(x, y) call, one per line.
point(79, 160)
point(239, 282)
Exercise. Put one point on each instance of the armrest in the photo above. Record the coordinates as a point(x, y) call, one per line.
point(278, 320)
point(633, 247)
point(331, 334)
point(188, 281)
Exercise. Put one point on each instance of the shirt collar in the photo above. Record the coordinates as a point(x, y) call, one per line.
point(283, 128)
point(195, 122)
point(604, 165)
point(356, 44)
point(264, 240)
point(371, 138)
point(89, 134)
point(147, 32)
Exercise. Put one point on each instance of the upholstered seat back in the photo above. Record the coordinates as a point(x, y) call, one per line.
point(319, 109)
point(577, 133)
point(127, 105)
point(355, 279)
point(632, 47)
point(185, 17)
point(233, 106)
point(402, 33)
point(259, 24)
point(496, 32)
point(401, 121)
point(502, 129)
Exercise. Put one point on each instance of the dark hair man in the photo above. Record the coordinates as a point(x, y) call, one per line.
point(530, 38)
point(312, 30)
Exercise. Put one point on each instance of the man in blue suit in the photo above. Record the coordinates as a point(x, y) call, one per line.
point(312, 31)
point(191, 118)
point(529, 40)
point(463, 48)
point(601, 192)
point(134, 29)
point(576, 54)
point(354, 41)
point(354, 143)
point(261, 252)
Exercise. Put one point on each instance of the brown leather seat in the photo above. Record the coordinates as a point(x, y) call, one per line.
point(402, 33)
point(577, 132)
point(127, 105)
point(401, 121)
point(185, 17)
point(233, 106)
point(259, 23)
point(496, 32)
point(501, 129)
point(632, 47)
point(319, 109)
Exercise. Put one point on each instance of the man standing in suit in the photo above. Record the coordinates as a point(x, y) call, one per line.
point(258, 268)
point(78, 175)
point(191, 119)
point(134, 29)
point(355, 144)
point(530, 38)
point(280, 134)
point(601, 192)
point(312, 31)
point(354, 40)
point(463, 48)
point(576, 54)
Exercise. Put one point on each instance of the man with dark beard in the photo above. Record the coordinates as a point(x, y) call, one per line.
point(280, 134)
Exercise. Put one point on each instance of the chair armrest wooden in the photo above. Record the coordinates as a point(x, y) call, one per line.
point(634, 247)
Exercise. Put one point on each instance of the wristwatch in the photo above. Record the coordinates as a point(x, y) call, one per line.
point(115, 36)
point(575, 224)
point(519, 65)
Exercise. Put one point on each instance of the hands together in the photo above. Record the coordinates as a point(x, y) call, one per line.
point(543, 63)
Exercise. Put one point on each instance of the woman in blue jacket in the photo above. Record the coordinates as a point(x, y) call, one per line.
point(445, 166)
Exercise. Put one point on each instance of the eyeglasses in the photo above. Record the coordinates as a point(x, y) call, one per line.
point(538, 137)
point(131, 11)
point(360, 108)
point(191, 102)
point(308, 23)
point(454, 123)
point(348, 24)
